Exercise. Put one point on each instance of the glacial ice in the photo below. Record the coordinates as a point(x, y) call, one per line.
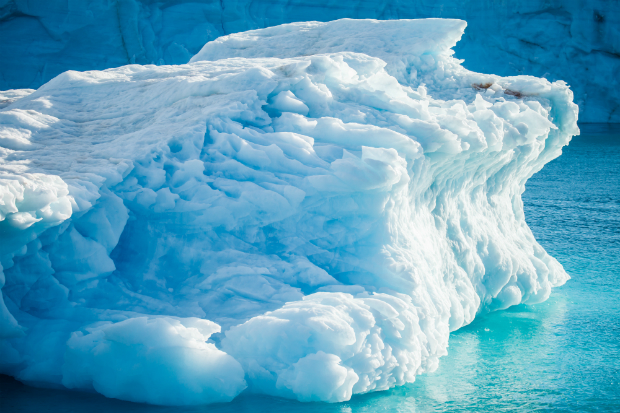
point(9, 96)
point(577, 41)
point(304, 211)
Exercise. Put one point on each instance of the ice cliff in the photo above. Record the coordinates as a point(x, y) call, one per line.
point(577, 41)
point(304, 211)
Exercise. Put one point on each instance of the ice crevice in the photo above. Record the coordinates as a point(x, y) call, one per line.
point(304, 211)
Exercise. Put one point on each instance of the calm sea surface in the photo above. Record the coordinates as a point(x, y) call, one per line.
point(562, 355)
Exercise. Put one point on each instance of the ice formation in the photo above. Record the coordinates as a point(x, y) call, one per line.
point(304, 211)
point(9, 96)
point(577, 41)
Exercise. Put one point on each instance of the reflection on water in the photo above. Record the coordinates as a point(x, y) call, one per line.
point(561, 355)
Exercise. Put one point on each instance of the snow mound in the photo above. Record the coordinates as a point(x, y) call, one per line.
point(116, 359)
point(336, 205)
point(377, 38)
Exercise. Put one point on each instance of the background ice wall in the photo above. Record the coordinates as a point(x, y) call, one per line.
point(309, 221)
point(576, 40)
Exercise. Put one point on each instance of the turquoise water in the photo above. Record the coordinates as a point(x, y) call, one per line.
point(562, 355)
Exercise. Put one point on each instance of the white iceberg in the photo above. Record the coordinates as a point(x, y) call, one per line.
point(335, 198)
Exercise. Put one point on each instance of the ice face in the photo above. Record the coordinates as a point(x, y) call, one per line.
point(308, 221)
point(573, 40)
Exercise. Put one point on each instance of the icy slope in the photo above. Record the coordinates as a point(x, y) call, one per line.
point(577, 41)
point(9, 96)
point(309, 221)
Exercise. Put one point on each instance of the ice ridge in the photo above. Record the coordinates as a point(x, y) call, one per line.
point(304, 211)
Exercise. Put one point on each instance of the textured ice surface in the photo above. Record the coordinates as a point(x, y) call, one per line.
point(9, 96)
point(304, 211)
point(573, 40)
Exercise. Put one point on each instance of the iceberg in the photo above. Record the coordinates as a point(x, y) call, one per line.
point(304, 211)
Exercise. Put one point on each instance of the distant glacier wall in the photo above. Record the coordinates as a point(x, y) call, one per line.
point(573, 40)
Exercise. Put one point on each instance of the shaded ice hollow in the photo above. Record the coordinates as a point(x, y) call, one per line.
point(304, 211)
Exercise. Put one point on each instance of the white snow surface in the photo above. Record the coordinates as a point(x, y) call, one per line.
point(9, 96)
point(304, 211)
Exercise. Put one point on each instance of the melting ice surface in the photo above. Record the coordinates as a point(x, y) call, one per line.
point(303, 211)
point(561, 355)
